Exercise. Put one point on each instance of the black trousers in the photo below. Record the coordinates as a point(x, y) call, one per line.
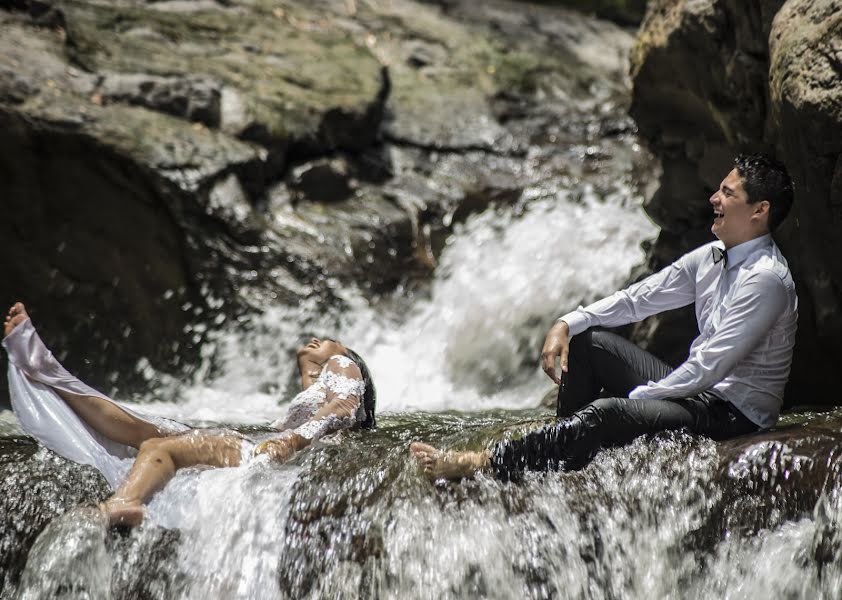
point(595, 411)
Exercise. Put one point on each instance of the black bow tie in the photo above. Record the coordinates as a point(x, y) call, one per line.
point(719, 255)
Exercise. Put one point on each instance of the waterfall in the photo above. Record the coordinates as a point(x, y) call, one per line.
point(473, 340)
point(456, 365)
point(505, 276)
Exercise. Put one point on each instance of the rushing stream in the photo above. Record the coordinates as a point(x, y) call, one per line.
point(666, 517)
point(455, 363)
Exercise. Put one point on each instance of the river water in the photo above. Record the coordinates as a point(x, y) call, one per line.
point(455, 364)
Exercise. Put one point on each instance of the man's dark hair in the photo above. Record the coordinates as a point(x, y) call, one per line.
point(765, 178)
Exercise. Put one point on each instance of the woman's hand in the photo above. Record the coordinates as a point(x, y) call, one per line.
point(279, 450)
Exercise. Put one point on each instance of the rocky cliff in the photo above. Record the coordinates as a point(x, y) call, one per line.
point(714, 78)
point(169, 165)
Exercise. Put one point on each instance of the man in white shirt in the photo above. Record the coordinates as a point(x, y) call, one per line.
point(733, 380)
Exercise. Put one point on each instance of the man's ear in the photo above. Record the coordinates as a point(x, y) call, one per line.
point(762, 207)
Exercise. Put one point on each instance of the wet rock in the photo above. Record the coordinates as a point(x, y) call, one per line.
point(773, 477)
point(338, 238)
point(805, 47)
point(194, 98)
point(460, 120)
point(324, 180)
point(747, 78)
point(69, 559)
point(54, 543)
point(15, 89)
point(167, 162)
point(228, 201)
point(43, 13)
point(142, 563)
point(37, 487)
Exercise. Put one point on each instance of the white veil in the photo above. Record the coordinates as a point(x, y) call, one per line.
point(34, 375)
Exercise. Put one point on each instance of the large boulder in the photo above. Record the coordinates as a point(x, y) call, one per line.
point(168, 165)
point(714, 78)
point(136, 139)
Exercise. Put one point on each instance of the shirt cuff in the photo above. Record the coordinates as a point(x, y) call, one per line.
point(651, 391)
point(639, 393)
point(576, 322)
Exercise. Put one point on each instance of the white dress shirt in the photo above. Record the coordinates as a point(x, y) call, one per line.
point(747, 315)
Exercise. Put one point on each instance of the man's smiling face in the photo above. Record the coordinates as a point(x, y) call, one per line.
point(735, 220)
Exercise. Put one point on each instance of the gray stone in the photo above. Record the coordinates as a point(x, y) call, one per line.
point(195, 98)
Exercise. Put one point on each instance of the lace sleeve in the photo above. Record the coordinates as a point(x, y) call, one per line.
point(344, 389)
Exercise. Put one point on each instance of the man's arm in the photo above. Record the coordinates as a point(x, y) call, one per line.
point(755, 307)
point(669, 288)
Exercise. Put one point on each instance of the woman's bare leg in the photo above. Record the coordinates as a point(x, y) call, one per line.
point(103, 416)
point(110, 420)
point(157, 462)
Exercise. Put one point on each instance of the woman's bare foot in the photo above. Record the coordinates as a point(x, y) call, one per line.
point(17, 315)
point(438, 464)
point(120, 513)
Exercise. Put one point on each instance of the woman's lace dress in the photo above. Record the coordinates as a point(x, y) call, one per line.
point(332, 402)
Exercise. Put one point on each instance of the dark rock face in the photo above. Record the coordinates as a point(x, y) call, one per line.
point(167, 165)
point(716, 78)
point(623, 12)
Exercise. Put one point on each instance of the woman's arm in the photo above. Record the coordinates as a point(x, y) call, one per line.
point(343, 388)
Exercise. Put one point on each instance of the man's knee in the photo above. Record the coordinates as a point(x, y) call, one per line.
point(581, 341)
point(602, 411)
point(595, 337)
point(605, 340)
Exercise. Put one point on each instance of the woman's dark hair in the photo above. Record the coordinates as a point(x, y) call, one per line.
point(765, 178)
point(370, 394)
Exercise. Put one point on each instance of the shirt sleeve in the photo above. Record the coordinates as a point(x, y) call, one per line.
point(755, 307)
point(669, 288)
point(344, 389)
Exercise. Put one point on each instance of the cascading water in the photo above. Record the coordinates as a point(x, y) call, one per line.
point(505, 275)
point(353, 518)
point(456, 365)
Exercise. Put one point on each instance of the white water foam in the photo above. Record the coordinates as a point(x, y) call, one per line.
point(503, 279)
point(474, 343)
point(231, 522)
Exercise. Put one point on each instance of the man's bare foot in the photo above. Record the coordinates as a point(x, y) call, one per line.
point(438, 464)
point(17, 315)
point(120, 513)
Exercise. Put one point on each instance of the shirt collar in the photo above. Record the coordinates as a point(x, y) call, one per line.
point(739, 253)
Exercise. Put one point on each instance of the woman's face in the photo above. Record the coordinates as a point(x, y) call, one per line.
point(312, 357)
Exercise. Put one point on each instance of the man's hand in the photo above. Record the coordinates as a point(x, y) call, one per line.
point(556, 345)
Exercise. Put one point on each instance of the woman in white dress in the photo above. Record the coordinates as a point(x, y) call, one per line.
point(84, 425)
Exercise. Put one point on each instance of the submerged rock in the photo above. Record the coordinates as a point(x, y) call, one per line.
point(353, 517)
point(36, 488)
point(69, 559)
